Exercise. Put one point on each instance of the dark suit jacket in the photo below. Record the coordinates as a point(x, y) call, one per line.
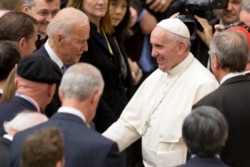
point(116, 90)
point(204, 162)
point(10, 109)
point(4, 152)
point(232, 98)
point(55, 103)
point(83, 146)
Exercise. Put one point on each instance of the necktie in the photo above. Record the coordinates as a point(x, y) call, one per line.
point(64, 68)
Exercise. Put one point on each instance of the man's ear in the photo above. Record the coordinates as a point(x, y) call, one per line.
point(181, 48)
point(16, 82)
point(60, 163)
point(215, 63)
point(51, 89)
point(58, 39)
point(25, 8)
point(21, 44)
point(60, 94)
point(96, 96)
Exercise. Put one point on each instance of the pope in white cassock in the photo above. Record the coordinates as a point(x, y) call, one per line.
point(159, 106)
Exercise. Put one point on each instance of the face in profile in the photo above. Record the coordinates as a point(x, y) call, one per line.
point(117, 10)
point(230, 14)
point(95, 9)
point(29, 45)
point(245, 17)
point(74, 45)
point(43, 12)
point(164, 49)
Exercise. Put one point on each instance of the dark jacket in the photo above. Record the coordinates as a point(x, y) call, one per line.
point(4, 152)
point(117, 87)
point(10, 109)
point(83, 146)
point(55, 103)
point(232, 98)
point(204, 162)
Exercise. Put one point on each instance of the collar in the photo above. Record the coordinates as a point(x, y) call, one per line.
point(247, 72)
point(1, 91)
point(73, 111)
point(53, 55)
point(216, 156)
point(29, 99)
point(7, 136)
point(231, 75)
point(180, 68)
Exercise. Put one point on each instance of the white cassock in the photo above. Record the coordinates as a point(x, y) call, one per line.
point(157, 110)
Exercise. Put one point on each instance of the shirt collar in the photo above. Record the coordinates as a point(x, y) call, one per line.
point(29, 99)
point(231, 75)
point(182, 66)
point(73, 111)
point(53, 55)
point(7, 136)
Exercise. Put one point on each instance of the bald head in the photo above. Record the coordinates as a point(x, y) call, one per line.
point(65, 20)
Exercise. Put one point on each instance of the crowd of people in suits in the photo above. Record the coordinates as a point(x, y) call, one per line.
point(121, 83)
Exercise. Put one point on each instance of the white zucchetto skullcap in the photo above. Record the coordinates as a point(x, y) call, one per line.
point(175, 26)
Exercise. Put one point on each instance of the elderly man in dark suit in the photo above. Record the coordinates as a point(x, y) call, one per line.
point(21, 121)
point(205, 133)
point(36, 81)
point(68, 32)
point(229, 54)
point(80, 90)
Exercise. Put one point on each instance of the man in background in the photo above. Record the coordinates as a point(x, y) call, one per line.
point(44, 147)
point(80, 91)
point(21, 121)
point(205, 132)
point(43, 11)
point(229, 54)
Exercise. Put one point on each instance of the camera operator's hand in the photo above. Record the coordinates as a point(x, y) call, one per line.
point(158, 5)
point(175, 15)
point(148, 22)
point(207, 34)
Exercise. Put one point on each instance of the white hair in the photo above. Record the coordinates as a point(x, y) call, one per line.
point(24, 120)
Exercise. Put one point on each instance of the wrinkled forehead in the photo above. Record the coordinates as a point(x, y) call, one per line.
point(245, 17)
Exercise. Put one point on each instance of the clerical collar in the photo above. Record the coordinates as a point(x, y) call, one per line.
point(53, 55)
point(182, 66)
point(231, 75)
point(73, 111)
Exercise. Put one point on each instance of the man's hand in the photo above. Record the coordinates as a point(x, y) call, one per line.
point(148, 22)
point(207, 34)
point(158, 5)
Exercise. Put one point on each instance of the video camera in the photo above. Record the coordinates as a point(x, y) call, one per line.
point(201, 8)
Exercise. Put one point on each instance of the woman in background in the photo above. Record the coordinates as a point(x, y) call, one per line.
point(120, 18)
point(104, 53)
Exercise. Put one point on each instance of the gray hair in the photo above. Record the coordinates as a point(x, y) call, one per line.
point(231, 48)
point(178, 38)
point(205, 131)
point(80, 81)
point(24, 120)
point(31, 3)
point(245, 5)
point(65, 20)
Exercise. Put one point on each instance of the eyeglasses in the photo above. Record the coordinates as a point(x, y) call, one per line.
point(240, 24)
